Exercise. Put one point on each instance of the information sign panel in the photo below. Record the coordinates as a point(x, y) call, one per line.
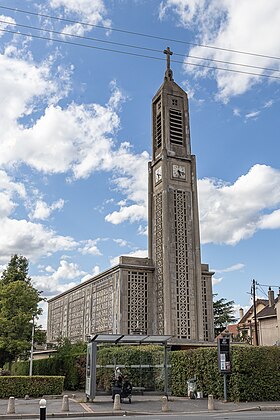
point(224, 355)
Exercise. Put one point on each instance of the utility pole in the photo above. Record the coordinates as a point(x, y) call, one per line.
point(255, 312)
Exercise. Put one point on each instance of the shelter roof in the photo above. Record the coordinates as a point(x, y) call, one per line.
point(129, 339)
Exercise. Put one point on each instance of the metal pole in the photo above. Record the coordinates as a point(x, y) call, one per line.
point(165, 363)
point(32, 347)
point(43, 409)
point(255, 313)
point(225, 387)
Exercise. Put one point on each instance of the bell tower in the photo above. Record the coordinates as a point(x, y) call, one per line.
point(182, 286)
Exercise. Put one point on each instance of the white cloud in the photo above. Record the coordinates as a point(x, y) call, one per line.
point(133, 183)
point(6, 22)
point(90, 247)
point(42, 210)
point(140, 253)
point(216, 281)
point(235, 267)
point(143, 230)
point(269, 103)
point(95, 272)
point(230, 25)
point(252, 115)
point(9, 191)
point(121, 242)
point(230, 213)
point(270, 221)
point(92, 12)
point(133, 213)
point(58, 281)
point(236, 112)
point(30, 239)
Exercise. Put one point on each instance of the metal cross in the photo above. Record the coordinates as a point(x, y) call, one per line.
point(168, 53)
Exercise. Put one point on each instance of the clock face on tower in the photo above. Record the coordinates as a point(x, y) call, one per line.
point(158, 174)
point(179, 171)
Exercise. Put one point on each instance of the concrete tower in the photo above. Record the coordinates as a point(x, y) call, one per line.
point(182, 286)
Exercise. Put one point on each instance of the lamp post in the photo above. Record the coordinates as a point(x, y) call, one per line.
point(32, 347)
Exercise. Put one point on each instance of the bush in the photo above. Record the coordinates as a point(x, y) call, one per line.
point(255, 370)
point(73, 367)
point(255, 373)
point(34, 386)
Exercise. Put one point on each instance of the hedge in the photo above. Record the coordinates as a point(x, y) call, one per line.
point(73, 367)
point(35, 386)
point(255, 370)
point(255, 373)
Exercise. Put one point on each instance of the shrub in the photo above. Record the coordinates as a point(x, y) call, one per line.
point(255, 373)
point(35, 386)
point(255, 370)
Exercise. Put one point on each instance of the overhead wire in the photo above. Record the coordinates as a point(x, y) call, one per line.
point(135, 54)
point(62, 33)
point(268, 285)
point(108, 28)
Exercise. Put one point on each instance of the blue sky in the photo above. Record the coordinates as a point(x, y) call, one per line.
point(75, 127)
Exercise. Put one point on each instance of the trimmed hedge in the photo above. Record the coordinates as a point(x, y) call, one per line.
point(68, 367)
point(255, 370)
point(34, 386)
point(255, 373)
point(73, 367)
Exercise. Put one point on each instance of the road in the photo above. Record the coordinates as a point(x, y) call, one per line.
point(252, 415)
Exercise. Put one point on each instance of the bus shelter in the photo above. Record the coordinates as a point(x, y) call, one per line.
point(120, 339)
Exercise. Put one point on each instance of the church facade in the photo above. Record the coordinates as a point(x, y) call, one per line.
point(170, 292)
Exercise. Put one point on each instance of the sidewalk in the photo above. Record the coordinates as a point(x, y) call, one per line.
point(141, 404)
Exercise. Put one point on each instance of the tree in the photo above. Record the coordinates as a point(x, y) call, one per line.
point(18, 305)
point(17, 269)
point(223, 314)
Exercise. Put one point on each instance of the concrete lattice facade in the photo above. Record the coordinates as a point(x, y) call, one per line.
point(171, 291)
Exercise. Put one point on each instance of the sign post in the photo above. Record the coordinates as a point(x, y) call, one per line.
point(224, 360)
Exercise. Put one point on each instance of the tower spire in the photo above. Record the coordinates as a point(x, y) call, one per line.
point(168, 72)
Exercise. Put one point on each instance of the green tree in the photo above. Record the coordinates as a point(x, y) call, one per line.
point(223, 314)
point(18, 305)
point(17, 270)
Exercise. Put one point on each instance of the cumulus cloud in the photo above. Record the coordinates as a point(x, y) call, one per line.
point(230, 213)
point(30, 239)
point(132, 182)
point(139, 253)
point(90, 247)
point(42, 210)
point(9, 190)
point(90, 12)
point(60, 279)
point(94, 272)
point(216, 280)
point(230, 25)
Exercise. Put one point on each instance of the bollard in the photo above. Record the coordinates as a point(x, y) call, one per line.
point(43, 409)
point(11, 406)
point(117, 402)
point(211, 402)
point(65, 403)
point(164, 406)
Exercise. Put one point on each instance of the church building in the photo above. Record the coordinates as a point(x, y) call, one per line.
point(170, 292)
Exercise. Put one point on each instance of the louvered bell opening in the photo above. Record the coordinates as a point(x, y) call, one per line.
point(176, 126)
point(158, 131)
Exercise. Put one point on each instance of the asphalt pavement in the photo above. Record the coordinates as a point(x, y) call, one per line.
point(140, 405)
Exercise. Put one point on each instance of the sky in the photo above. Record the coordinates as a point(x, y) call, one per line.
point(75, 125)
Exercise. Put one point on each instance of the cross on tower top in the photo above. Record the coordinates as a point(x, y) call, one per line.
point(168, 72)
